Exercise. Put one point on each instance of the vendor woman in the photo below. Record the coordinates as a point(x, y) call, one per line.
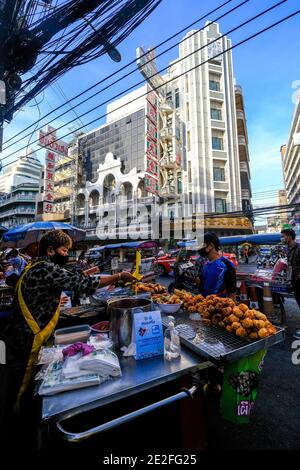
point(37, 302)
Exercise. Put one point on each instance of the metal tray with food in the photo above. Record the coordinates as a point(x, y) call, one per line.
point(215, 343)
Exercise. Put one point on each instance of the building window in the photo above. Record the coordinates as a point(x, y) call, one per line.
point(215, 114)
point(186, 84)
point(179, 183)
point(189, 172)
point(220, 205)
point(171, 214)
point(187, 112)
point(188, 141)
point(169, 96)
point(214, 85)
point(177, 100)
point(219, 174)
point(217, 143)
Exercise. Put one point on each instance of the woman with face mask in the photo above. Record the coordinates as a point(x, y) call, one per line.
point(36, 313)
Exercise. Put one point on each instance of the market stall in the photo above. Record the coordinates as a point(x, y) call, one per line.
point(216, 335)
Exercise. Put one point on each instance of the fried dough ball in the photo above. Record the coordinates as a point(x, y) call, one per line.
point(218, 317)
point(226, 311)
point(253, 335)
point(243, 307)
point(263, 333)
point(259, 324)
point(229, 328)
point(227, 320)
point(221, 324)
point(241, 332)
point(249, 314)
point(236, 325)
point(233, 318)
point(247, 323)
point(237, 312)
point(206, 322)
point(260, 316)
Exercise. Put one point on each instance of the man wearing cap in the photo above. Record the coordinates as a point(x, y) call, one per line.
point(218, 274)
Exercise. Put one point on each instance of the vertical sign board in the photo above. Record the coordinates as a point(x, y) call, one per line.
point(147, 66)
point(54, 149)
point(152, 168)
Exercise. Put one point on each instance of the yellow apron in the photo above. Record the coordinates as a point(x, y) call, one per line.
point(40, 336)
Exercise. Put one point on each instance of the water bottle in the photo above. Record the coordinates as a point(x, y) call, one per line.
point(172, 348)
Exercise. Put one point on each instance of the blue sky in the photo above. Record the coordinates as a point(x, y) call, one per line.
point(265, 67)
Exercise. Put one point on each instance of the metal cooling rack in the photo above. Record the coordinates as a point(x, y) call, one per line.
point(218, 345)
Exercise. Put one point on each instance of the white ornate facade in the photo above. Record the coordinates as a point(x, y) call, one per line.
point(114, 200)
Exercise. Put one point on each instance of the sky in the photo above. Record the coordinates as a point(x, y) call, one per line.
point(267, 68)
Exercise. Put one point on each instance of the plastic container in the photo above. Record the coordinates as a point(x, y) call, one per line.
point(72, 334)
point(172, 347)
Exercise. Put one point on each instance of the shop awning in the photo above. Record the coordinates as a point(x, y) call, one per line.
point(253, 239)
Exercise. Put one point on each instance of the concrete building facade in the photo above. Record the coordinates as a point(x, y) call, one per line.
point(291, 159)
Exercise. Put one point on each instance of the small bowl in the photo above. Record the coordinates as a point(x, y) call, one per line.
point(100, 327)
point(170, 308)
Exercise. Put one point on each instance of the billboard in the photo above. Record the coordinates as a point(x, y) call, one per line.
point(147, 66)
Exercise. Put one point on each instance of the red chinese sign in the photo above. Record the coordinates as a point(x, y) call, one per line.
point(48, 207)
point(50, 141)
point(151, 184)
point(152, 169)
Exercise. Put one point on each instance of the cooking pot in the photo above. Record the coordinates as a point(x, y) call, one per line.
point(121, 313)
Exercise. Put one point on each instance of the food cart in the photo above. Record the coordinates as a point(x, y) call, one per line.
point(150, 391)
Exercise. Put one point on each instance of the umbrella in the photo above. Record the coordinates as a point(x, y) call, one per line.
point(23, 235)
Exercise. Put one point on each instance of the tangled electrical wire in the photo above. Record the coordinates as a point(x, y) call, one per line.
point(70, 33)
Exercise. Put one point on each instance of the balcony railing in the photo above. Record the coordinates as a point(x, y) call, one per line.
point(17, 198)
point(240, 114)
point(18, 210)
point(242, 140)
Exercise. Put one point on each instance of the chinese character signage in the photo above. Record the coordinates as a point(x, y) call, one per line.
point(48, 207)
point(49, 141)
point(152, 149)
point(151, 184)
point(49, 177)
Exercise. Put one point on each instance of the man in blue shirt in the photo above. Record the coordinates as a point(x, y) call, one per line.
point(218, 274)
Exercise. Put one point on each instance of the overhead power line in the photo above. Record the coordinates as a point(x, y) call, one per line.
point(124, 67)
point(179, 75)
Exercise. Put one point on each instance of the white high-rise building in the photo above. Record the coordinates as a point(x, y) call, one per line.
point(205, 101)
point(25, 170)
point(291, 159)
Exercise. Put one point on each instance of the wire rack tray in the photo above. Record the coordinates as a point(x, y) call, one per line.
point(217, 345)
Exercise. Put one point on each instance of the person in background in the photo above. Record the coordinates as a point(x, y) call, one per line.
point(15, 266)
point(160, 252)
point(218, 273)
point(30, 252)
point(37, 306)
point(289, 237)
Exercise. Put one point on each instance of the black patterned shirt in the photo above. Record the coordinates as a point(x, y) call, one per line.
point(41, 288)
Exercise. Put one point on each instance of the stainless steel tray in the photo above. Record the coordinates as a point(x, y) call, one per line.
point(218, 345)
